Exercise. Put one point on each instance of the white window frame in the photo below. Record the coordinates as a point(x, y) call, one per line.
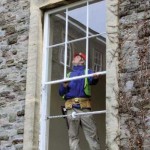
point(43, 145)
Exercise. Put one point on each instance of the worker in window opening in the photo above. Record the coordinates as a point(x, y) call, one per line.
point(77, 95)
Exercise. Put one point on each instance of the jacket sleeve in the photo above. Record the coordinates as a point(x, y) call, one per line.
point(63, 90)
point(91, 80)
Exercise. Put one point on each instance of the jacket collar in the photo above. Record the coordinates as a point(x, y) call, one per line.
point(78, 68)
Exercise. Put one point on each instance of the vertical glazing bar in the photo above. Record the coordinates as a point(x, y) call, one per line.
point(87, 40)
point(66, 39)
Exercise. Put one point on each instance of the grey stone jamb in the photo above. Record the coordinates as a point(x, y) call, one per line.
point(112, 119)
point(32, 101)
point(34, 75)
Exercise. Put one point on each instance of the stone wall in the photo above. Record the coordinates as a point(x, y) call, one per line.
point(14, 28)
point(134, 74)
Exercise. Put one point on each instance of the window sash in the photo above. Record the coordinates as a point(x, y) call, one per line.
point(46, 50)
point(48, 47)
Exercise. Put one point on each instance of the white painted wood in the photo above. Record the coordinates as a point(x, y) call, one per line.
point(66, 39)
point(43, 142)
point(47, 49)
point(76, 40)
point(75, 78)
point(87, 39)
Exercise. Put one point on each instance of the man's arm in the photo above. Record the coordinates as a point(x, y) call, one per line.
point(63, 89)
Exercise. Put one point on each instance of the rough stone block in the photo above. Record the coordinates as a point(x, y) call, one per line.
point(20, 131)
point(4, 137)
point(12, 117)
point(10, 29)
point(10, 61)
point(4, 93)
point(2, 77)
point(19, 146)
point(20, 113)
point(12, 40)
point(17, 141)
point(7, 126)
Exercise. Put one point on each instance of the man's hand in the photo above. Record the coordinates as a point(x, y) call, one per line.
point(96, 76)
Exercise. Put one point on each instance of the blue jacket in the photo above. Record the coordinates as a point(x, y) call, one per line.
point(75, 88)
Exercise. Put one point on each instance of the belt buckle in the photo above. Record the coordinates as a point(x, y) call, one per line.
point(76, 100)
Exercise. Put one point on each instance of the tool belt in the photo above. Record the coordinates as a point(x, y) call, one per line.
point(84, 103)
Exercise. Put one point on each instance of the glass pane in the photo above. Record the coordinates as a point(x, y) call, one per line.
point(57, 63)
point(97, 53)
point(77, 22)
point(56, 71)
point(97, 17)
point(69, 56)
point(57, 28)
point(77, 47)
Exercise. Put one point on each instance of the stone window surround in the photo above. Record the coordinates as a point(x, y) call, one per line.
point(34, 73)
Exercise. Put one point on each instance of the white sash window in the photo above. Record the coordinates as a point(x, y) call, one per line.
point(84, 22)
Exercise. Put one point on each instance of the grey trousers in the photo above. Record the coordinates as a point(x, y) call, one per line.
point(89, 129)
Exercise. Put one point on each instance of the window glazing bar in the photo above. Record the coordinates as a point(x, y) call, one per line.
point(87, 40)
point(66, 39)
point(76, 40)
point(75, 78)
point(71, 5)
point(95, 35)
point(74, 114)
point(55, 45)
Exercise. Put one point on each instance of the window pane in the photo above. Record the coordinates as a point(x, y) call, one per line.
point(57, 27)
point(62, 55)
point(79, 46)
point(57, 64)
point(77, 22)
point(97, 17)
point(57, 68)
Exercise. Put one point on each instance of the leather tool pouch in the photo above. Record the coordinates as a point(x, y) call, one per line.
point(83, 103)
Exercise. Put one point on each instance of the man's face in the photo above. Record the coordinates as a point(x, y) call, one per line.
point(78, 60)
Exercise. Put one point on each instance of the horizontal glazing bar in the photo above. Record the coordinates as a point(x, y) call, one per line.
point(76, 40)
point(74, 114)
point(52, 46)
point(71, 5)
point(94, 35)
point(74, 78)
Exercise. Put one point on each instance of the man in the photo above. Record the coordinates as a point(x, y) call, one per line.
point(77, 96)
